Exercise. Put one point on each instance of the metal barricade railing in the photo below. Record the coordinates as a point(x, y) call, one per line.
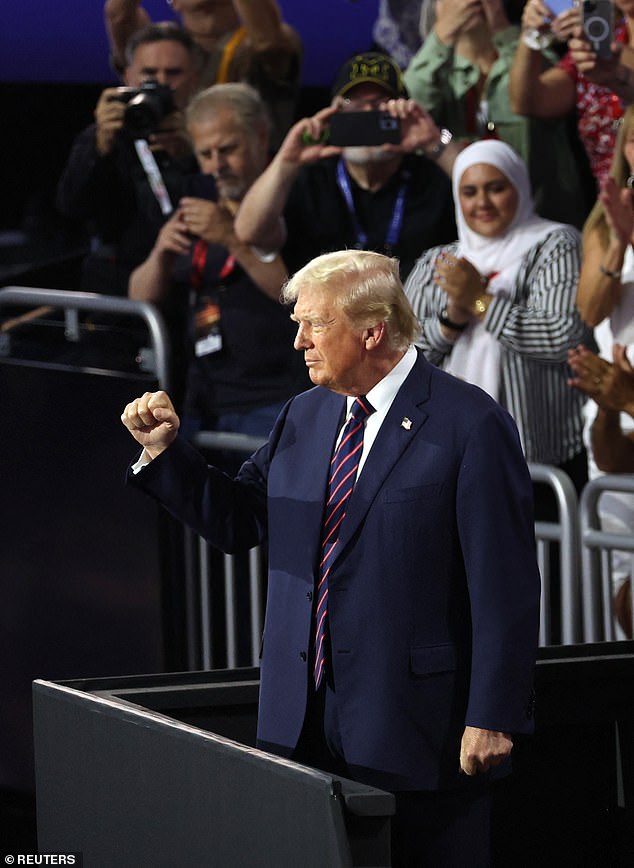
point(86, 576)
point(576, 592)
point(584, 576)
point(596, 556)
point(239, 630)
point(564, 532)
point(72, 302)
point(203, 577)
point(199, 575)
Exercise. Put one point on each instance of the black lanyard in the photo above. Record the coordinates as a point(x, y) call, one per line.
point(394, 229)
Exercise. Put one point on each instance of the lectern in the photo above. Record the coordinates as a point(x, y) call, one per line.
point(128, 785)
point(162, 771)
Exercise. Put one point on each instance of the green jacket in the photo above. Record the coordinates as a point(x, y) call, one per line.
point(440, 81)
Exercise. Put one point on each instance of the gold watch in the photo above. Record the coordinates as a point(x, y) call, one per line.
point(481, 305)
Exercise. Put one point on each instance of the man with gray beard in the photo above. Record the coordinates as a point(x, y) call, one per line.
point(227, 291)
point(393, 198)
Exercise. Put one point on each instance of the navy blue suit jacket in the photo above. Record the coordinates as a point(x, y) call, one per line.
point(434, 598)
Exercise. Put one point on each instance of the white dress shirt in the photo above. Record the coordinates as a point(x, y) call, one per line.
point(381, 397)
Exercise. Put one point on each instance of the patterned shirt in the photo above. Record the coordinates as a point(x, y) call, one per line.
point(598, 112)
point(535, 322)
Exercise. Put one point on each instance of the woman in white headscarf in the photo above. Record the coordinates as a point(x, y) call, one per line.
point(497, 308)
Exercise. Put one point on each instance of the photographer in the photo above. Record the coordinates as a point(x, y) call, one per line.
point(316, 196)
point(242, 40)
point(105, 184)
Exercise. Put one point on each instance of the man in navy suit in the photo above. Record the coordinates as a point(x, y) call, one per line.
point(432, 611)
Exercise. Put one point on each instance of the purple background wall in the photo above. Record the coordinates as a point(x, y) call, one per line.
point(66, 42)
point(54, 62)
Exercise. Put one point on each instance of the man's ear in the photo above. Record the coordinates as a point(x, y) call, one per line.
point(374, 335)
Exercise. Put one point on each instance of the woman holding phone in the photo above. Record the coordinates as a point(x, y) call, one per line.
point(582, 81)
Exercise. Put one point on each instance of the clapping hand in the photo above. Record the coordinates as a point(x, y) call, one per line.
point(461, 281)
point(610, 384)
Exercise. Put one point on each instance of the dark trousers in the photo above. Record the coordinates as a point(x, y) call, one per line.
point(446, 829)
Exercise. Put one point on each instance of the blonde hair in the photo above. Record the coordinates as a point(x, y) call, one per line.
point(620, 171)
point(367, 286)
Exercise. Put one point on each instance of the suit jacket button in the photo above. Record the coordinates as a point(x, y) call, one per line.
point(309, 595)
point(302, 656)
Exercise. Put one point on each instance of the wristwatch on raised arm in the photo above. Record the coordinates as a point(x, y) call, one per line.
point(436, 150)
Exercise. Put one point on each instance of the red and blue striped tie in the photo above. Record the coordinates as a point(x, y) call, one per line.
point(343, 473)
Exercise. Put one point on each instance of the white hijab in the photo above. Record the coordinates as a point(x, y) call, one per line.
point(476, 353)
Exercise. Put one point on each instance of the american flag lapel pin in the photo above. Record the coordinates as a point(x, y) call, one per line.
point(406, 423)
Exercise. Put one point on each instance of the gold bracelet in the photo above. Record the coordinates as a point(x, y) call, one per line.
point(615, 275)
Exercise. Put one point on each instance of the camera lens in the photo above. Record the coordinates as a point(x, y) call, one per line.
point(147, 108)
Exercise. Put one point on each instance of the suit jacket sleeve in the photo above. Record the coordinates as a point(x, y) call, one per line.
point(496, 529)
point(229, 513)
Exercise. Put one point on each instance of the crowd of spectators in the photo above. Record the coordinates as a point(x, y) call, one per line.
point(208, 212)
point(502, 180)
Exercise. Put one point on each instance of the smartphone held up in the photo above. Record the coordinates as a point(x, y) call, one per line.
point(370, 128)
point(598, 26)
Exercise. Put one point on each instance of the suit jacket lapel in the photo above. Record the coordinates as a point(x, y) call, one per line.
point(394, 436)
point(314, 464)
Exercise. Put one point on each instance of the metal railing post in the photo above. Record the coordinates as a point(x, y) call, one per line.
point(596, 549)
point(566, 533)
point(71, 302)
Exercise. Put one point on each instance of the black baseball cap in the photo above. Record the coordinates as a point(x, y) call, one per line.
point(372, 67)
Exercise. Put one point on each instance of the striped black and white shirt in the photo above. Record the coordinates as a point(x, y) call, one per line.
point(536, 322)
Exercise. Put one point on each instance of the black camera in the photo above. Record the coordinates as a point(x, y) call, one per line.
point(598, 26)
point(146, 107)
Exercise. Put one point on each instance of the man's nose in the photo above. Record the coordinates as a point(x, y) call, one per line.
point(300, 342)
point(215, 164)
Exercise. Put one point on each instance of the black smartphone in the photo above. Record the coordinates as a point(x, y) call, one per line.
point(364, 128)
point(598, 26)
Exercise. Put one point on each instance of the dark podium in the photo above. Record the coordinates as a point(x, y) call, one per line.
point(126, 785)
point(161, 770)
